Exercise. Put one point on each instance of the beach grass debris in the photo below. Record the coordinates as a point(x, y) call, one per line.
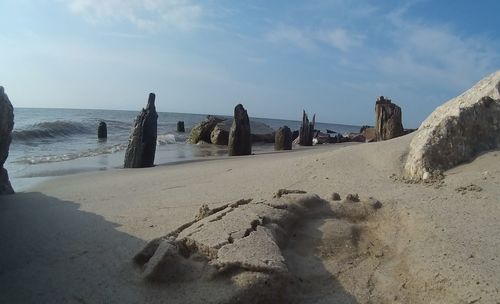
point(469, 188)
point(282, 192)
point(354, 198)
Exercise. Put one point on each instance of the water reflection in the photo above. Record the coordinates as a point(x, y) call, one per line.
point(103, 161)
point(209, 150)
point(181, 154)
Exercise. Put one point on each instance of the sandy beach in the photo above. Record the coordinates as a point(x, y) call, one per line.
point(72, 239)
point(250, 152)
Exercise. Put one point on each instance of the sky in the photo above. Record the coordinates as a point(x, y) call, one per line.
point(329, 57)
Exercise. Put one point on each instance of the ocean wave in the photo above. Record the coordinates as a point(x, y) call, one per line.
point(165, 139)
point(33, 160)
point(51, 129)
point(117, 124)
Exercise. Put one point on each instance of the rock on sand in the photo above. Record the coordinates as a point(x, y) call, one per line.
point(457, 131)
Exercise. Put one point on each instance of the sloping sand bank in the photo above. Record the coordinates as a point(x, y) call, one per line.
point(72, 240)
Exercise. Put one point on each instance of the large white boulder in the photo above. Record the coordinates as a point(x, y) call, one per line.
point(457, 130)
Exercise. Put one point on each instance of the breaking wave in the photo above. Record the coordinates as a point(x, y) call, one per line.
point(165, 139)
point(51, 129)
point(33, 160)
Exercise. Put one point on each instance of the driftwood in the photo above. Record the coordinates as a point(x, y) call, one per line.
point(141, 148)
point(180, 126)
point(240, 142)
point(388, 119)
point(282, 192)
point(6, 126)
point(102, 130)
point(283, 139)
point(306, 133)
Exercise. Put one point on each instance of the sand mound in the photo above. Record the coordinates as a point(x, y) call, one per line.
point(427, 244)
point(268, 251)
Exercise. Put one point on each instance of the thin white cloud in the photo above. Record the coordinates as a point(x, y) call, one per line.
point(337, 38)
point(392, 51)
point(256, 60)
point(292, 36)
point(341, 39)
point(435, 54)
point(144, 14)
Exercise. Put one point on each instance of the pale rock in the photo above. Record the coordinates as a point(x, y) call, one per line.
point(457, 131)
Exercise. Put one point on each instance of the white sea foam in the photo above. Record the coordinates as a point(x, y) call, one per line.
point(33, 160)
point(165, 139)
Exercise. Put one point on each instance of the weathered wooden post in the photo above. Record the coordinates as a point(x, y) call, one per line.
point(180, 126)
point(6, 126)
point(240, 142)
point(102, 130)
point(142, 143)
point(306, 133)
point(283, 139)
point(388, 120)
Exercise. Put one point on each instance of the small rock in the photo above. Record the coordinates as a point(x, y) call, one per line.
point(354, 137)
point(335, 196)
point(203, 212)
point(166, 253)
point(352, 198)
point(203, 130)
point(219, 136)
point(375, 203)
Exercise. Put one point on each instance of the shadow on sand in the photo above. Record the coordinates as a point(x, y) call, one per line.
point(52, 252)
point(311, 282)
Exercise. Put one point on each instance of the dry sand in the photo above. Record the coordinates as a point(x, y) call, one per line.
point(71, 240)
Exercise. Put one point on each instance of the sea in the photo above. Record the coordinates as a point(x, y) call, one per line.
point(48, 143)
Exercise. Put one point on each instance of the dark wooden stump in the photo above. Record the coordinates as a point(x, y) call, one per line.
point(283, 139)
point(306, 132)
point(142, 143)
point(6, 126)
point(240, 142)
point(180, 126)
point(102, 130)
point(388, 122)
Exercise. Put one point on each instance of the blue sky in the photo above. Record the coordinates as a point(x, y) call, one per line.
point(278, 57)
